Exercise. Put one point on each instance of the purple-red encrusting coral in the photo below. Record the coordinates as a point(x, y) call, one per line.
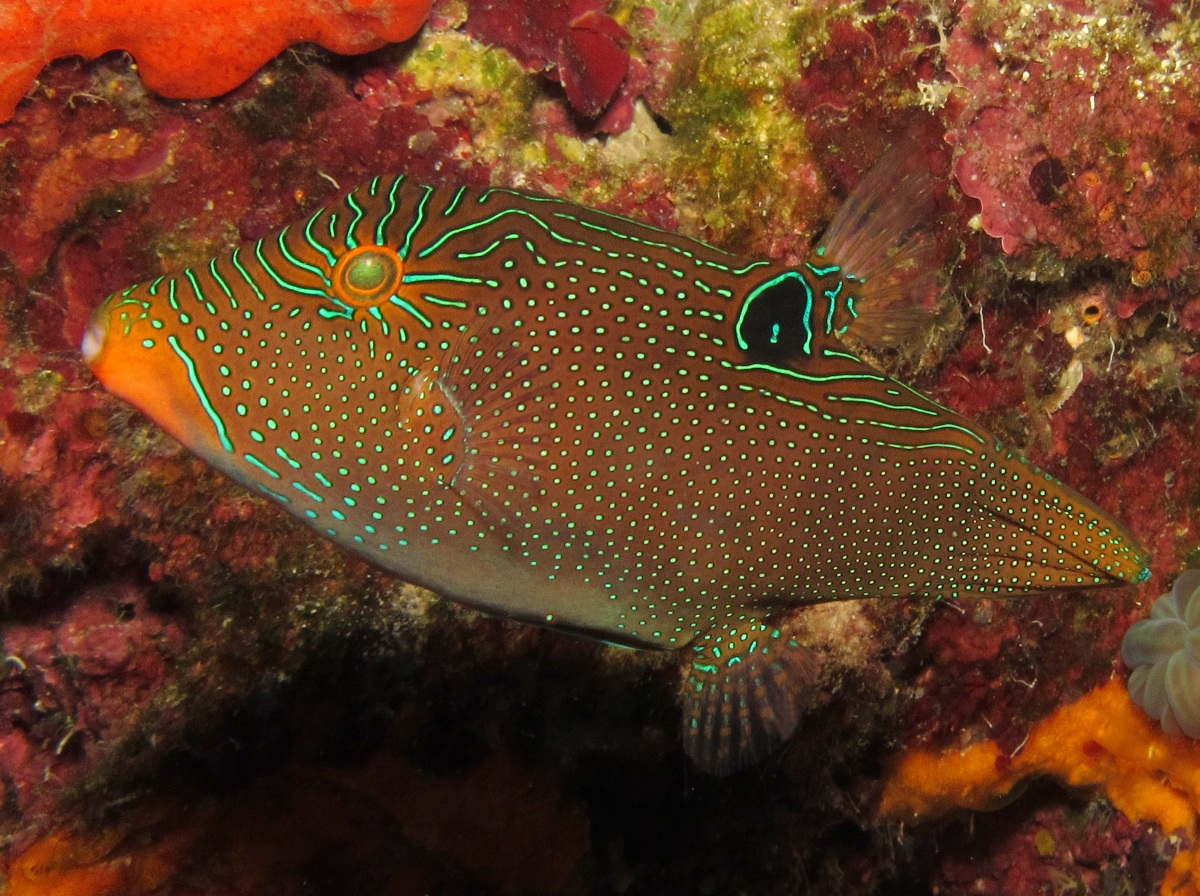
point(575, 42)
point(160, 619)
point(1053, 849)
point(73, 681)
point(849, 89)
point(1079, 135)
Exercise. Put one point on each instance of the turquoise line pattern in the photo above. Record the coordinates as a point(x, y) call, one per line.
point(201, 393)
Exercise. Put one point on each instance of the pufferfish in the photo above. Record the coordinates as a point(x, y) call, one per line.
point(574, 419)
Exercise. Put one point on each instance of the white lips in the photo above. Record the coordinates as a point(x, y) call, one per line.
point(93, 341)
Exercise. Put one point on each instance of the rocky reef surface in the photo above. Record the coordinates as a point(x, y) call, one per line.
point(198, 696)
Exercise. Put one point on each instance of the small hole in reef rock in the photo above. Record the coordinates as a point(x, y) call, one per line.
point(662, 124)
point(1047, 179)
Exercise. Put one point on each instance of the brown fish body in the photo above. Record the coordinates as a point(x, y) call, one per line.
point(574, 419)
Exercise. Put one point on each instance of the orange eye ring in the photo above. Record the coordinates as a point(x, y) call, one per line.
point(367, 275)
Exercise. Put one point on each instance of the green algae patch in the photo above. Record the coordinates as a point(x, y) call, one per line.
point(741, 150)
point(483, 86)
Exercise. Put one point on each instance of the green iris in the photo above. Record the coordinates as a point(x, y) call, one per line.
point(369, 272)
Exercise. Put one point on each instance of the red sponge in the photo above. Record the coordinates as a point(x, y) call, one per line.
point(190, 48)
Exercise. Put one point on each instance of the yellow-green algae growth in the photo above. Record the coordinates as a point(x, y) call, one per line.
point(736, 158)
point(490, 89)
point(739, 147)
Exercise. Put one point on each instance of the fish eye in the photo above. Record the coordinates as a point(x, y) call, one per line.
point(367, 275)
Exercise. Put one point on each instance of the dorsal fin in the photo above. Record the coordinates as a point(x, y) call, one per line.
point(881, 242)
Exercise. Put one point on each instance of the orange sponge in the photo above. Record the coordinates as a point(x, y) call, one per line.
point(189, 48)
point(1103, 740)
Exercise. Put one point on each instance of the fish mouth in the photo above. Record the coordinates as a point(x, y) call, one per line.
point(93, 340)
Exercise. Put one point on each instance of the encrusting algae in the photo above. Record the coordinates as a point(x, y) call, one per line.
point(807, 114)
point(1102, 740)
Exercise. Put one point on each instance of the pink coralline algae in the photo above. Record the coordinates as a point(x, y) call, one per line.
point(1080, 135)
point(70, 171)
point(151, 607)
point(1052, 850)
point(850, 89)
point(73, 680)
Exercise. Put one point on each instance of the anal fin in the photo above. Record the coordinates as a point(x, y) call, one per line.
point(740, 692)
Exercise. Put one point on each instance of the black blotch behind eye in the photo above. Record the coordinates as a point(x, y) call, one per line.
point(774, 325)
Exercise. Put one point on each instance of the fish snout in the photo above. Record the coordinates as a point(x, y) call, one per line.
point(94, 337)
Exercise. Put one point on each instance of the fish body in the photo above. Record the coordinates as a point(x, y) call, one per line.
point(570, 418)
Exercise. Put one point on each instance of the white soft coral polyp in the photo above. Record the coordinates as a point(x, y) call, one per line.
point(1164, 653)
